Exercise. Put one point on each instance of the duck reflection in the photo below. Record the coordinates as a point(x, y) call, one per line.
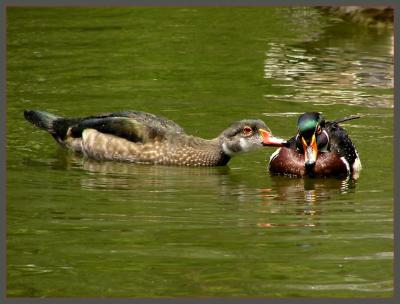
point(309, 189)
point(115, 175)
point(224, 181)
point(103, 175)
point(297, 200)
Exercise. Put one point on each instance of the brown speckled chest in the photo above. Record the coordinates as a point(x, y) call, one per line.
point(291, 162)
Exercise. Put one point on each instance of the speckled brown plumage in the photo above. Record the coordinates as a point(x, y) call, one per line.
point(188, 151)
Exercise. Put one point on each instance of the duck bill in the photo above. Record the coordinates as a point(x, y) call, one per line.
point(310, 151)
point(271, 140)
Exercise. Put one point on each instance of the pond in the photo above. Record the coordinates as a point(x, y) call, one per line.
point(81, 228)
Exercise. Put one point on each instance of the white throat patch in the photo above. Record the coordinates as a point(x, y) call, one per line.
point(226, 150)
point(245, 145)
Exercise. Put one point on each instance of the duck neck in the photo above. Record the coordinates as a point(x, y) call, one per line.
point(205, 151)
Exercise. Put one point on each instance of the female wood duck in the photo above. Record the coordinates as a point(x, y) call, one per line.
point(141, 137)
point(320, 149)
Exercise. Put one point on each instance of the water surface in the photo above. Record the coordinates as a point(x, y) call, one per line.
point(77, 227)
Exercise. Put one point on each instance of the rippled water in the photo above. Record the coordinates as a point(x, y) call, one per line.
point(327, 75)
point(77, 227)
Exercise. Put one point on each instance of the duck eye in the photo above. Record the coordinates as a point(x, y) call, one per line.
point(319, 130)
point(247, 130)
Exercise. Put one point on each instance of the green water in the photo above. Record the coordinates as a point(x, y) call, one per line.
point(79, 228)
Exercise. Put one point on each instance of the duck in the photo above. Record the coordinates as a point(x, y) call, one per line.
point(140, 137)
point(319, 149)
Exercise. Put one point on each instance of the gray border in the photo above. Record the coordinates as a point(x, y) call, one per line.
point(395, 299)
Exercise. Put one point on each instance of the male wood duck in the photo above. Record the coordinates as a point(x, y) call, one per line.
point(140, 137)
point(320, 149)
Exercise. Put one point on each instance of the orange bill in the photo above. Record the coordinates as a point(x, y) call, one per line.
point(310, 151)
point(271, 140)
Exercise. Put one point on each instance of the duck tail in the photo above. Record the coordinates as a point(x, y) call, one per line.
point(346, 119)
point(42, 120)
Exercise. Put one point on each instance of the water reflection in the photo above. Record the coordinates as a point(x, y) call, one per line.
point(247, 198)
point(309, 189)
point(335, 67)
point(111, 175)
point(298, 201)
point(151, 178)
point(221, 181)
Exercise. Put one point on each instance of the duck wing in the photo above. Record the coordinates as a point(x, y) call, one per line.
point(150, 120)
point(124, 127)
point(340, 142)
point(135, 126)
point(143, 118)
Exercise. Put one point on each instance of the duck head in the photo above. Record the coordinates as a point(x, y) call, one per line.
point(247, 135)
point(311, 137)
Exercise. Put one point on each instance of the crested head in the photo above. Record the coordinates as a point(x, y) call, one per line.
point(238, 127)
point(311, 137)
point(242, 136)
point(308, 122)
point(246, 135)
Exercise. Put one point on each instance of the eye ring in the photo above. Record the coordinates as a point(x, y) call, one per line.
point(247, 130)
point(319, 130)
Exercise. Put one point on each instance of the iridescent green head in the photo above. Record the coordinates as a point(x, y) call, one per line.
point(309, 127)
point(308, 124)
